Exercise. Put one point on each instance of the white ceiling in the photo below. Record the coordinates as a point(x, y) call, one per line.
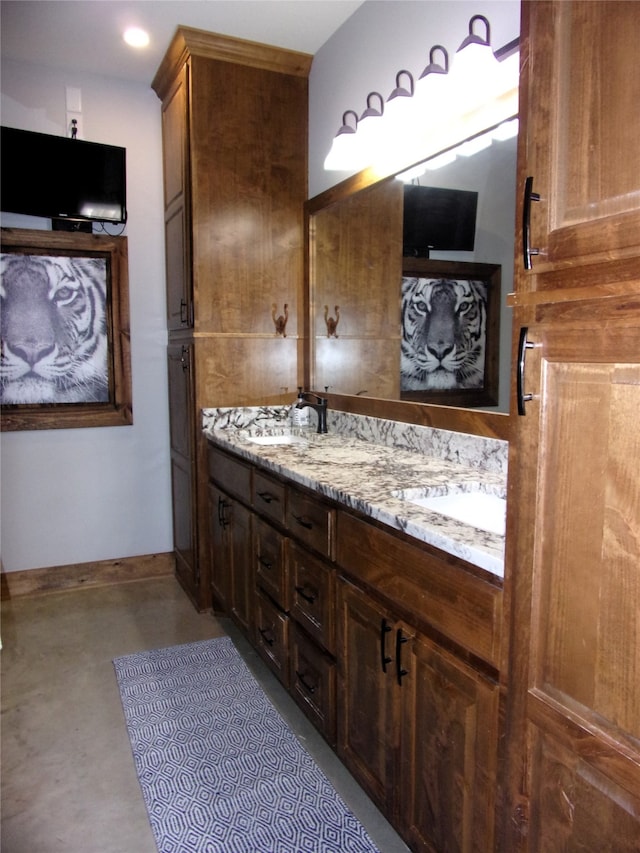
point(86, 35)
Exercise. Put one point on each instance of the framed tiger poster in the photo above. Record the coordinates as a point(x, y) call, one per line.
point(65, 359)
point(450, 332)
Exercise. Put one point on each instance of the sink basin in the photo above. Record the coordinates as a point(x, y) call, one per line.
point(276, 439)
point(469, 504)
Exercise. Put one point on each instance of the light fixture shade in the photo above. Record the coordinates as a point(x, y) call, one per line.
point(370, 127)
point(343, 155)
point(475, 69)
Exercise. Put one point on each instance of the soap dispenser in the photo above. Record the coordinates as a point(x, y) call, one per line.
point(299, 416)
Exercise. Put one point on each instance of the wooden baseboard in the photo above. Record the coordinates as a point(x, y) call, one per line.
point(101, 573)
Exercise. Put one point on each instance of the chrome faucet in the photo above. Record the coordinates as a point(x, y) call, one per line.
point(317, 403)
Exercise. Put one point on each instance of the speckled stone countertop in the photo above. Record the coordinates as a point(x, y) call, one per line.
point(362, 461)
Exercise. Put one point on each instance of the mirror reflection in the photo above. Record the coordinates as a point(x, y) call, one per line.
point(363, 330)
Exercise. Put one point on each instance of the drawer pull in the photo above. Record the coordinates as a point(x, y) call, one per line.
point(267, 497)
point(265, 563)
point(267, 635)
point(310, 687)
point(400, 641)
point(303, 522)
point(301, 592)
point(384, 658)
point(223, 505)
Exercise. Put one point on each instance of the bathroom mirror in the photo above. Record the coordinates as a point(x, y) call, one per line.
point(356, 316)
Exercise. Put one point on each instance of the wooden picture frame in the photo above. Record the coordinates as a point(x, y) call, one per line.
point(66, 346)
point(466, 308)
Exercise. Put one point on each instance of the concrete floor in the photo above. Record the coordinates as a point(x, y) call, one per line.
point(68, 779)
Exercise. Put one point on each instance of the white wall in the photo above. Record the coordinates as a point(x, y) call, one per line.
point(75, 496)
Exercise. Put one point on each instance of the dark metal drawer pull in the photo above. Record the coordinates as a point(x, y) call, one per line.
point(523, 346)
point(384, 658)
point(400, 641)
point(302, 521)
point(529, 196)
point(310, 687)
point(265, 563)
point(267, 635)
point(301, 592)
point(267, 497)
point(223, 505)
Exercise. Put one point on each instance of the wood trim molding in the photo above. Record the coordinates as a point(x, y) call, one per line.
point(100, 573)
point(188, 41)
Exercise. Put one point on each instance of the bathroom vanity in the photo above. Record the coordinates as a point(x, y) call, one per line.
point(380, 615)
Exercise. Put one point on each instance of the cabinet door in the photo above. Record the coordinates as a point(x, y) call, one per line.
point(575, 650)
point(175, 140)
point(579, 142)
point(368, 710)
point(447, 781)
point(232, 576)
point(182, 432)
point(220, 543)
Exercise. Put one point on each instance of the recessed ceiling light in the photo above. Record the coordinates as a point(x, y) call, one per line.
point(136, 37)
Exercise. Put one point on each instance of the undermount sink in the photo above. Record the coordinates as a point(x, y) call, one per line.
point(470, 504)
point(286, 438)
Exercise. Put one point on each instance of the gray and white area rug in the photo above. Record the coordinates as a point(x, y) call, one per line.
point(219, 769)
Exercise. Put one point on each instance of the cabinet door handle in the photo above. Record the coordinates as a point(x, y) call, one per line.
point(529, 196)
point(301, 678)
point(523, 346)
point(400, 641)
point(265, 563)
point(301, 590)
point(267, 497)
point(183, 312)
point(384, 658)
point(302, 521)
point(223, 505)
point(184, 359)
point(267, 635)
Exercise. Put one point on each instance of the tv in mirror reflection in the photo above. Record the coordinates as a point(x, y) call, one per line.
point(436, 218)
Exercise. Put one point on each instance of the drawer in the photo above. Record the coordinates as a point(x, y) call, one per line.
point(269, 496)
point(231, 474)
point(431, 590)
point(312, 522)
point(270, 563)
point(313, 682)
point(312, 595)
point(272, 637)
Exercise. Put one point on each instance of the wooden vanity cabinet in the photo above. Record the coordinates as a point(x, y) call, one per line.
point(573, 542)
point(417, 714)
point(234, 131)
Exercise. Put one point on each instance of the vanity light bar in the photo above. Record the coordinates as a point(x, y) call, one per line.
point(480, 91)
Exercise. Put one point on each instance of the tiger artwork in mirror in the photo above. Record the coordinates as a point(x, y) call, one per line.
point(449, 332)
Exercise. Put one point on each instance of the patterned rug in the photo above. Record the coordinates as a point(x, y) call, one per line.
point(220, 771)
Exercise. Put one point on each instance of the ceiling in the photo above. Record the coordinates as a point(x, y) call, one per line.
point(86, 35)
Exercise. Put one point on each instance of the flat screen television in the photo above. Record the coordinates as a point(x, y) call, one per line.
point(438, 218)
point(62, 178)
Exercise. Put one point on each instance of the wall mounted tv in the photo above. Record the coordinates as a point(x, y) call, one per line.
point(62, 178)
point(438, 218)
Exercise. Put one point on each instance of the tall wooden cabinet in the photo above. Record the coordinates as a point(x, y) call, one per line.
point(573, 722)
point(234, 129)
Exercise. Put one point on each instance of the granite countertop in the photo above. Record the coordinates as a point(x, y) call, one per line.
point(363, 476)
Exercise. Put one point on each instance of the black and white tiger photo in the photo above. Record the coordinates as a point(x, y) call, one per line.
point(53, 323)
point(444, 325)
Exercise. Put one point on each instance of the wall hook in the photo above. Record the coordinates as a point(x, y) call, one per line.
point(332, 324)
point(281, 321)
